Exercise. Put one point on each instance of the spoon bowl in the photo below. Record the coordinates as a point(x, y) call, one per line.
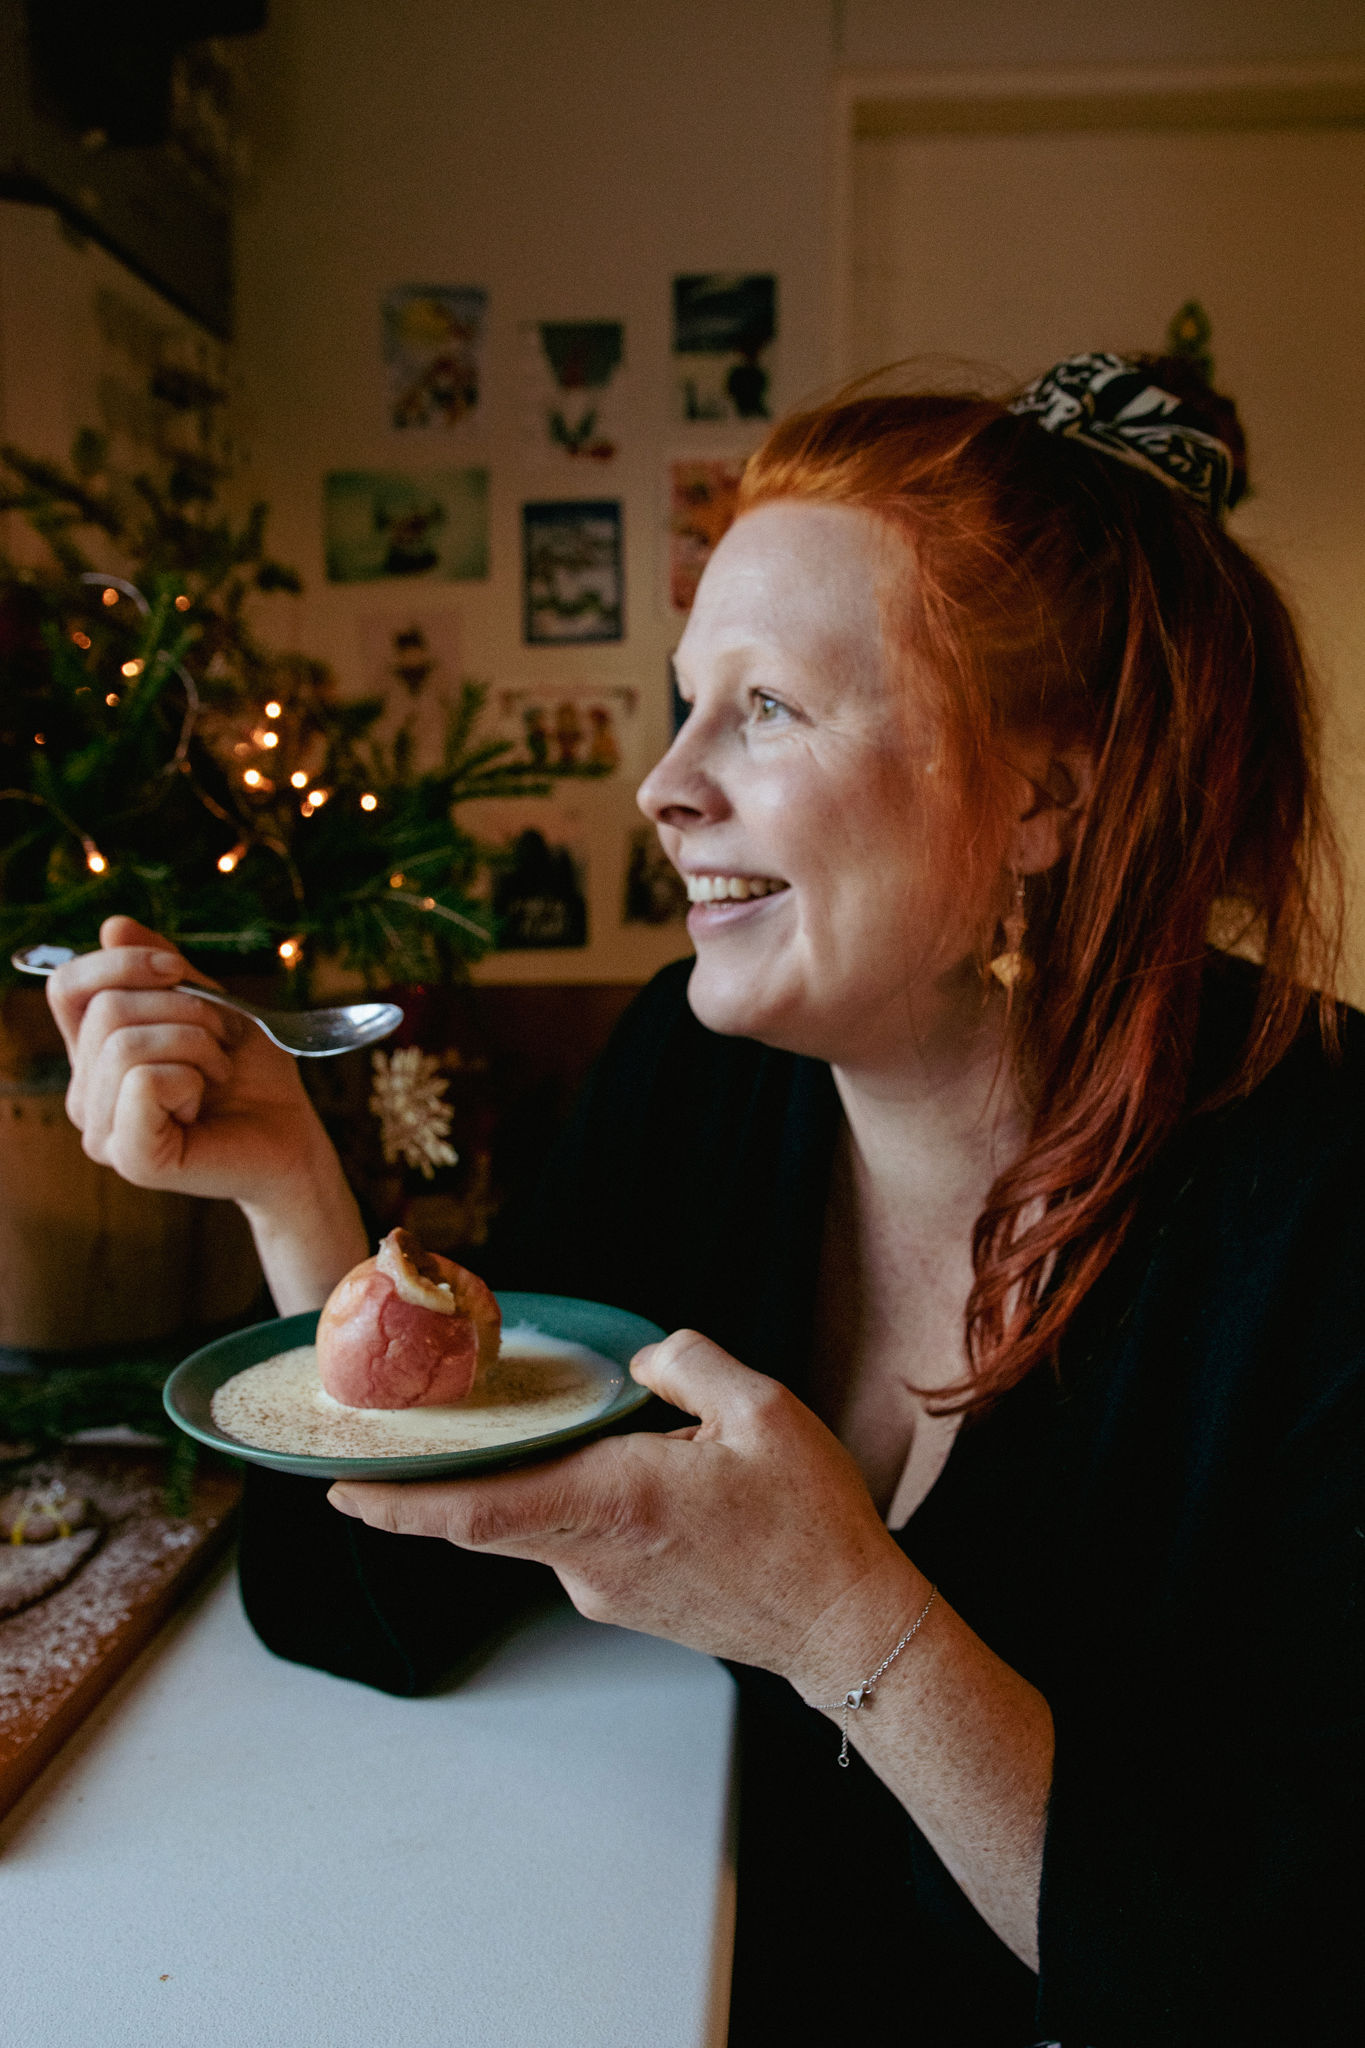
point(308, 1034)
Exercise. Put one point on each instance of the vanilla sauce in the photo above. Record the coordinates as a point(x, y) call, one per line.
point(536, 1385)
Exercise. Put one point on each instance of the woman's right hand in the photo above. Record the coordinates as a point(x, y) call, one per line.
point(169, 1091)
point(182, 1095)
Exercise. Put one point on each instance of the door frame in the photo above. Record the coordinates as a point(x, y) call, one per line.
point(1323, 93)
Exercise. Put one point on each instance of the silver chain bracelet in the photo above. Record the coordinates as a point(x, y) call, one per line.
point(861, 1694)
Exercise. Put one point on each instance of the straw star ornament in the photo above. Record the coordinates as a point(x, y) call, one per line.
point(414, 1122)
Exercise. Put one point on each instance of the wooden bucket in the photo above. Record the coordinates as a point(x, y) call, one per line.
point(85, 1259)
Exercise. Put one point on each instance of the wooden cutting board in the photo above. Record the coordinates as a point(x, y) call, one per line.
point(59, 1655)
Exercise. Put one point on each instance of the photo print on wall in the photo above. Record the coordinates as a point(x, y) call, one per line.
point(724, 327)
point(571, 572)
point(433, 353)
point(571, 379)
point(539, 890)
point(655, 892)
point(409, 654)
point(431, 523)
point(702, 494)
point(574, 728)
point(414, 661)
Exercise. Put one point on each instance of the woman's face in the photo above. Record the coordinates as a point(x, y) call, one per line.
point(788, 800)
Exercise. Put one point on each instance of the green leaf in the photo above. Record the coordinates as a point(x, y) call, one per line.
point(89, 453)
point(154, 778)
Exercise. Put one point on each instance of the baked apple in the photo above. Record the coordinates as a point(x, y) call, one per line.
point(406, 1329)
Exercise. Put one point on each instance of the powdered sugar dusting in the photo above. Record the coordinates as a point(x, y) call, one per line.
point(30, 1570)
point(47, 1649)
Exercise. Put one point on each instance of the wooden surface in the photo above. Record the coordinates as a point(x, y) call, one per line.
point(59, 1656)
point(86, 1259)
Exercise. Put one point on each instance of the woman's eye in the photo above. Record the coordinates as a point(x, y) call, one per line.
point(766, 708)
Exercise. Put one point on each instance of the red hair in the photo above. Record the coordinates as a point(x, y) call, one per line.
point(1056, 592)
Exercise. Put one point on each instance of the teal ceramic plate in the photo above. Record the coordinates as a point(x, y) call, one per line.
point(612, 1332)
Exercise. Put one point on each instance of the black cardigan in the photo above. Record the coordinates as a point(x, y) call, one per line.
point(1166, 1539)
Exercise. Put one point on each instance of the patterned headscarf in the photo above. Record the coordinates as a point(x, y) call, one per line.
point(1112, 405)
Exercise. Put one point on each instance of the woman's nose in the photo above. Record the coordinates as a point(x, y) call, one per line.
point(679, 790)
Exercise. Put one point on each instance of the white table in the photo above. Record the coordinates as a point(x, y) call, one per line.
point(240, 1853)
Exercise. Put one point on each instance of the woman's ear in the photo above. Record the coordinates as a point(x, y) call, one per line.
point(1054, 789)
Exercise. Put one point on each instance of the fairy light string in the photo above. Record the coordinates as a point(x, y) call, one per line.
point(271, 789)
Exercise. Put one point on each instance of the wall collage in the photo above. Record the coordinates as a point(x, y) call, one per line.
point(427, 523)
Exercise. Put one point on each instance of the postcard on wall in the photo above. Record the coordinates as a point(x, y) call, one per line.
point(702, 495)
point(572, 728)
point(431, 523)
point(411, 654)
point(414, 661)
point(433, 353)
point(572, 572)
point(724, 327)
point(655, 892)
point(539, 886)
point(571, 391)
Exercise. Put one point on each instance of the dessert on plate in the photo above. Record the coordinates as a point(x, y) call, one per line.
point(406, 1329)
point(410, 1360)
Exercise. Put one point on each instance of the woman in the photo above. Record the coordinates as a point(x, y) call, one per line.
point(1009, 1238)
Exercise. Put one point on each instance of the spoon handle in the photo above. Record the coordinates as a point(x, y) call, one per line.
point(224, 1002)
point(303, 1034)
point(46, 960)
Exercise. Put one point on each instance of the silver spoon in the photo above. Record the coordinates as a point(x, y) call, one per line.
point(308, 1034)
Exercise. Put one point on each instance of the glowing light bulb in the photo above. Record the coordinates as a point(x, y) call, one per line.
point(396, 881)
point(111, 698)
point(428, 903)
point(132, 668)
point(270, 739)
point(182, 603)
point(81, 639)
point(253, 778)
point(368, 802)
point(289, 950)
point(297, 779)
point(228, 861)
point(317, 797)
point(111, 597)
point(272, 709)
point(40, 739)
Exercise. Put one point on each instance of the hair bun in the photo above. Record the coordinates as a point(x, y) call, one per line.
point(1213, 412)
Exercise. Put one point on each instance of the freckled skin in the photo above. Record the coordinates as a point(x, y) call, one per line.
point(376, 1350)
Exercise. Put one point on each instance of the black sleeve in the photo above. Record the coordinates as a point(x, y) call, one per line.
point(404, 1612)
point(1201, 1879)
point(401, 1613)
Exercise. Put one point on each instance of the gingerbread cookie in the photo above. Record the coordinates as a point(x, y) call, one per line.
point(30, 1571)
point(40, 1512)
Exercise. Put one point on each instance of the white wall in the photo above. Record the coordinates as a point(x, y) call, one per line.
point(1015, 249)
point(571, 159)
point(79, 336)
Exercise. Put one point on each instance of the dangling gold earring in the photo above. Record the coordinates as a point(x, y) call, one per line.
point(1010, 967)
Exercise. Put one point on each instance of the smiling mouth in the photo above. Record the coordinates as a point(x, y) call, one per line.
point(730, 888)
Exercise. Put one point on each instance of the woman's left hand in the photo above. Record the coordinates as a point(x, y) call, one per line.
point(748, 1535)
